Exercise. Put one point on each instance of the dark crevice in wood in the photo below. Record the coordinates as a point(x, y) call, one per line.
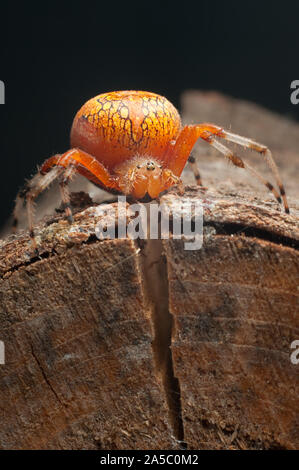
point(47, 254)
point(245, 230)
point(252, 232)
point(155, 280)
point(31, 261)
point(45, 376)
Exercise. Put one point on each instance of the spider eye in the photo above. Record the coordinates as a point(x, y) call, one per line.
point(150, 166)
point(138, 166)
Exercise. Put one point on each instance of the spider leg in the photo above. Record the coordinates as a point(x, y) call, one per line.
point(130, 182)
point(85, 164)
point(194, 168)
point(35, 186)
point(252, 144)
point(64, 190)
point(264, 150)
point(237, 161)
point(177, 154)
point(64, 167)
point(32, 189)
point(18, 207)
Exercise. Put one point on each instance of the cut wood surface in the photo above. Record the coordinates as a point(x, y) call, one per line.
point(129, 344)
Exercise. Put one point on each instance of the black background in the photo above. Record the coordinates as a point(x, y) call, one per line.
point(53, 57)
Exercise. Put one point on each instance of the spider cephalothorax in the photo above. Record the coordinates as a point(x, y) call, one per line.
point(133, 142)
point(142, 176)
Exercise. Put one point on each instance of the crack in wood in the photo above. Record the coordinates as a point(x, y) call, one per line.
point(45, 376)
point(155, 281)
point(252, 232)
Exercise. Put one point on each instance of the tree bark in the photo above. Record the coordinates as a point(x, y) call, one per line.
point(141, 344)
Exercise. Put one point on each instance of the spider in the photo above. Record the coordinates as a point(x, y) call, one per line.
point(133, 143)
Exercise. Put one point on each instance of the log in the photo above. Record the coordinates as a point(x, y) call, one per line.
point(235, 309)
point(142, 344)
point(77, 332)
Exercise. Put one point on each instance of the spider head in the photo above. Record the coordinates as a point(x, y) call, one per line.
point(146, 178)
point(143, 176)
point(148, 169)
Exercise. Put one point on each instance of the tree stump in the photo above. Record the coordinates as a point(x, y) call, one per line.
point(141, 344)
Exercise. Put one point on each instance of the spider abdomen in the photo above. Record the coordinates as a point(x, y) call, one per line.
point(116, 126)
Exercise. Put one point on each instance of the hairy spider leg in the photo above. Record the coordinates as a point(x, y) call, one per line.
point(64, 180)
point(30, 191)
point(85, 164)
point(194, 167)
point(178, 153)
point(63, 167)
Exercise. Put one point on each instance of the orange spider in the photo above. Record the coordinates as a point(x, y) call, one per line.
point(132, 142)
